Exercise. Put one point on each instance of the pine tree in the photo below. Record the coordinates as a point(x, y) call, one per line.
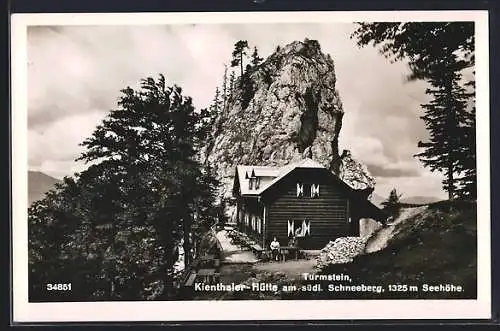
point(217, 100)
point(445, 117)
point(467, 168)
point(256, 59)
point(239, 52)
point(231, 83)
point(225, 87)
point(392, 205)
point(247, 87)
point(217, 105)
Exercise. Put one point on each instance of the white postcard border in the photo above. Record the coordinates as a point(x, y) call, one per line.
point(23, 311)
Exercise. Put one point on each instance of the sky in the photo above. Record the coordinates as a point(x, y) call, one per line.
point(75, 74)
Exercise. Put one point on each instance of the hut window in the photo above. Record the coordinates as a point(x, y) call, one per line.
point(300, 190)
point(257, 182)
point(302, 228)
point(299, 228)
point(250, 184)
point(246, 219)
point(314, 190)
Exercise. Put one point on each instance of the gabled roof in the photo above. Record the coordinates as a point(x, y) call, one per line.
point(271, 175)
point(268, 175)
point(306, 163)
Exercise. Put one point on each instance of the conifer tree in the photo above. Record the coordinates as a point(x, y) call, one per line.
point(467, 168)
point(256, 59)
point(446, 117)
point(240, 50)
point(217, 105)
point(231, 83)
point(225, 87)
point(392, 205)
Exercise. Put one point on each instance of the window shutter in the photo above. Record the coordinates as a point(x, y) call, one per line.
point(300, 190)
point(290, 228)
point(306, 227)
point(314, 190)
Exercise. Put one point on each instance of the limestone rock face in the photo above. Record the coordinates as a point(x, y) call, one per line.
point(354, 173)
point(286, 110)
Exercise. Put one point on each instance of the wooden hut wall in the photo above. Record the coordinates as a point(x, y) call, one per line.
point(252, 217)
point(327, 213)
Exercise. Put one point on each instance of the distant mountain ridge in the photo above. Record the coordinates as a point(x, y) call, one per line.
point(423, 200)
point(417, 200)
point(38, 184)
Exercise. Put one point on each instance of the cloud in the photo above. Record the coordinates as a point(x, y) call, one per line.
point(369, 150)
point(57, 145)
point(384, 171)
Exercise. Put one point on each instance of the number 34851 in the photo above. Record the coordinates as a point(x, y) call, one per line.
point(59, 287)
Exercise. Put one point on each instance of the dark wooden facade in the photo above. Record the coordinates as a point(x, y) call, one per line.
point(278, 211)
point(327, 213)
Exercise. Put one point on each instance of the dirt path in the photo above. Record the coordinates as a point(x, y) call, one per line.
point(291, 268)
point(233, 253)
point(240, 265)
point(380, 238)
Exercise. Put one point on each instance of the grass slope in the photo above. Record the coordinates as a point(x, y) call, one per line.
point(436, 246)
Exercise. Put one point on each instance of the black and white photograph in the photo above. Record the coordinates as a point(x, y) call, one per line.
point(254, 158)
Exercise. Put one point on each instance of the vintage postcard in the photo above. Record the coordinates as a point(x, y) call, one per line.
point(250, 166)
